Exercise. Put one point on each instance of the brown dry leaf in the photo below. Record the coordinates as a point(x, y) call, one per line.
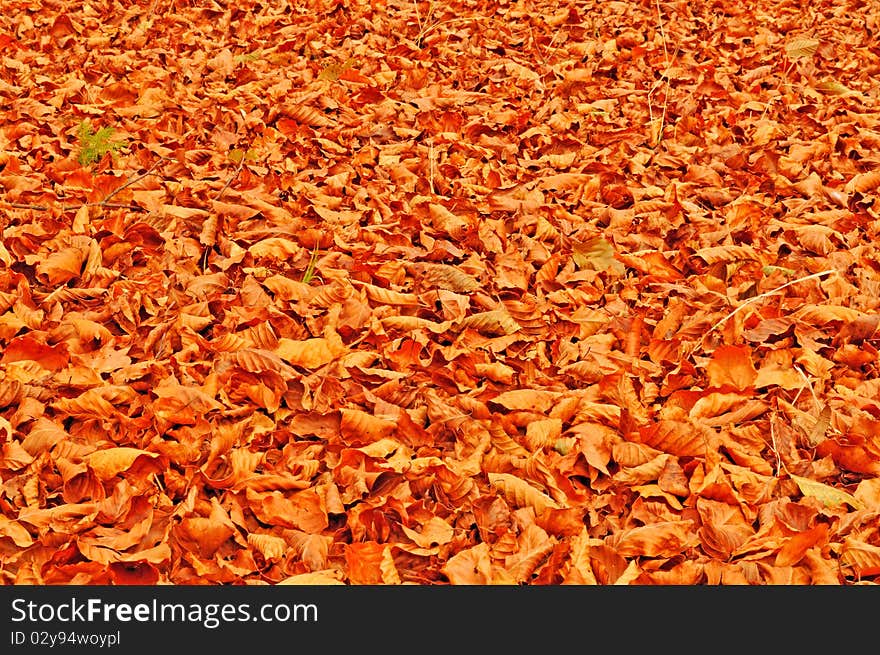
point(272, 548)
point(471, 566)
point(794, 550)
point(110, 462)
point(675, 437)
point(303, 510)
point(862, 557)
point(531, 399)
point(494, 322)
point(666, 540)
point(309, 353)
point(533, 546)
point(732, 366)
point(357, 426)
point(724, 529)
point(203, 535)
point(436, 532)
point(520, 493)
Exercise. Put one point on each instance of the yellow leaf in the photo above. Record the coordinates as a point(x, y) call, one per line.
point(829, 495)
point(331, 72)
point(520, 493)
point(596, 254)
point(799, 48)
point(388, 568)
point(536, 400)
point(272, 548)
point(833, 87)
point(861, 556)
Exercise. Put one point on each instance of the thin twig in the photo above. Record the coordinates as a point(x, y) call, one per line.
point(773, 442)
point(132, 180)
point(19, 205)
point(770, 293)
point(809, 384)
point(70, 208)
point(431, 168)
point(103, 202)
point(231, 179)
point(658, 82)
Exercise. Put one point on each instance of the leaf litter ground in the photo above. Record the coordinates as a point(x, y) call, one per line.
point(439, 293)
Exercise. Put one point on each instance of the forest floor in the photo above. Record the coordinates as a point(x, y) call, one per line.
point(439, 293)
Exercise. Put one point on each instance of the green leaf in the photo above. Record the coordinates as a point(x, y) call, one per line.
point(332, 72)
point(833, 88)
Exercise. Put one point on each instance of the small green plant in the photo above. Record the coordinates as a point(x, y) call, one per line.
point(94, 145)
point(309, 275)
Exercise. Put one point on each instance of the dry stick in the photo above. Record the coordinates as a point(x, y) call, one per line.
point(773, 446)
point(231, 179)
point(103, 202)
point(70, 208)
point(665, 75)
point(131, 181)
point(770, 293)
point(217, 198)
point(810, 385)
point(431, 169)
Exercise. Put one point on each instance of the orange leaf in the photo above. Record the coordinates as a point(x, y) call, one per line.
point(666, 539)
point(27, 348)
point(532, 399)
point(471, 566)
point(520, 493)
point(63, 265)
point(110, 462)
point(364, 562)
point(303, 510)
point(796, 546)
point(309, 353)
point(732, 366)
point(675, 437)
point(357, 426)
